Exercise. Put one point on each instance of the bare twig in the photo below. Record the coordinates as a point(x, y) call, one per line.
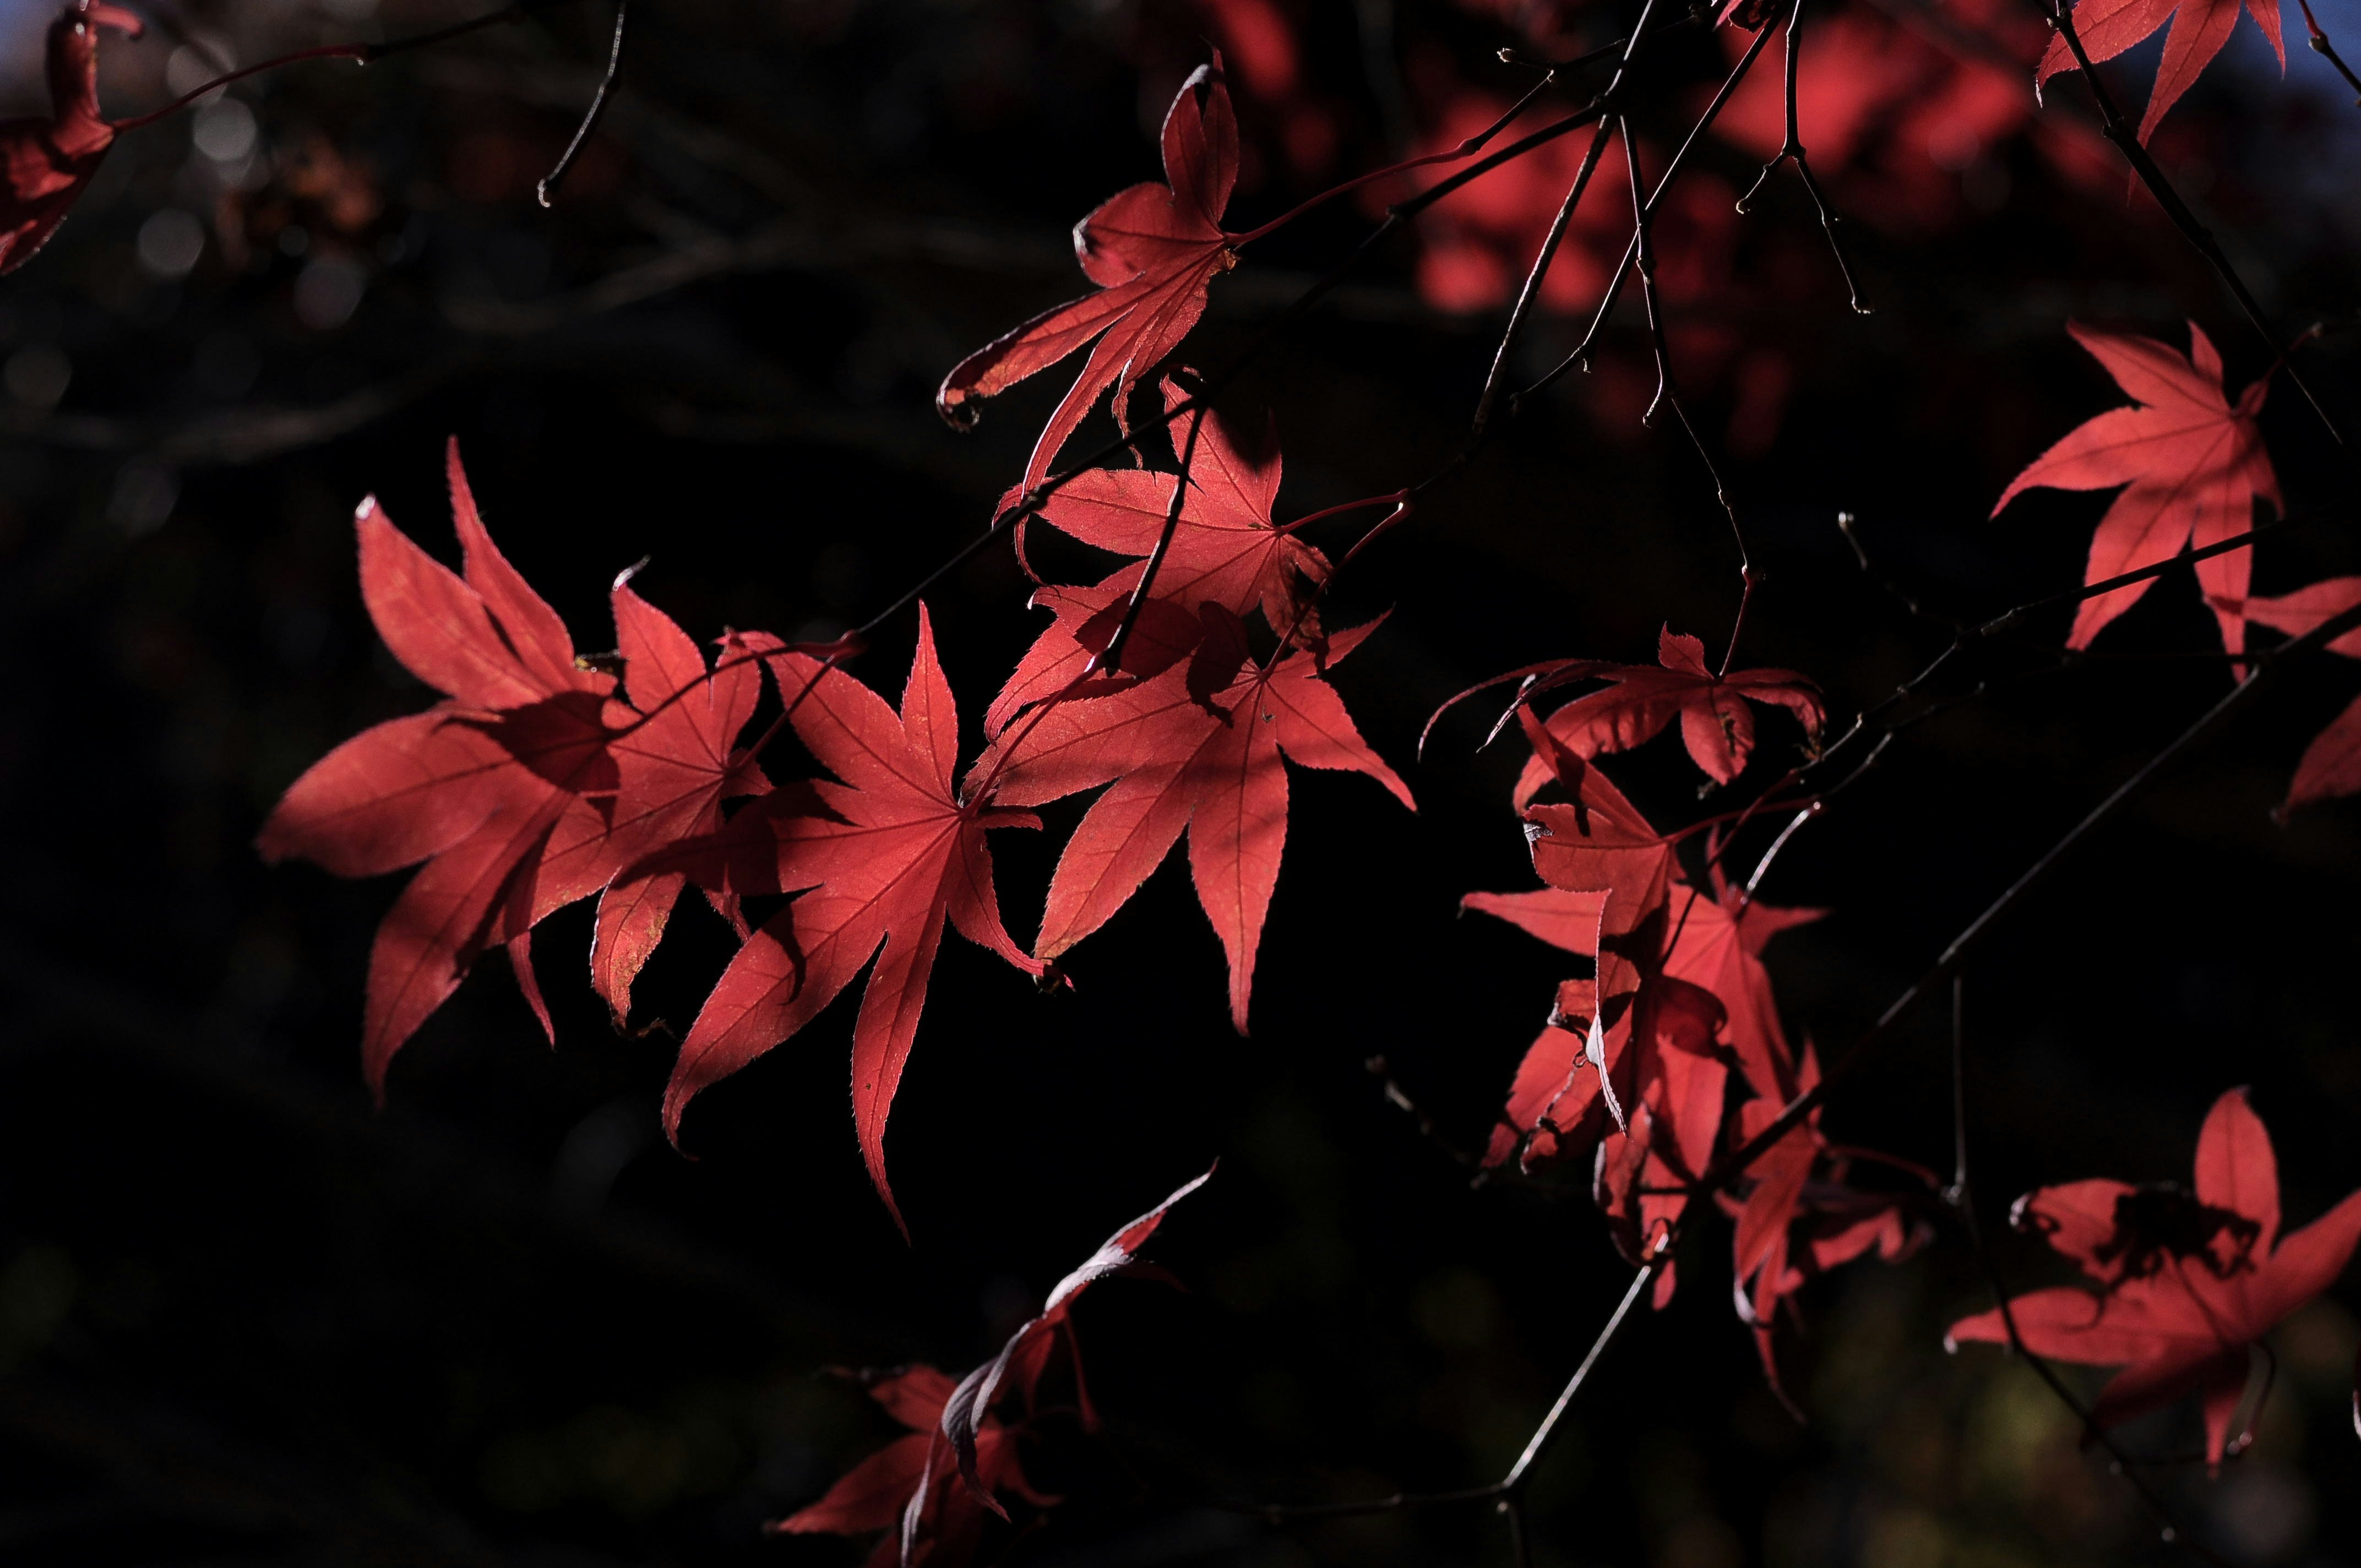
point(1791, 147)
point(1550, 242)
point(359, 53)
point(1581, 354)
point(549, 183)
point(1510, 1489)
point(2264, 665)
point(1643, 244)
point(2326, 50)
point(1961, 1195)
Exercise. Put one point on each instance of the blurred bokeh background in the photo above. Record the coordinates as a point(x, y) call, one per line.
point(244, 1317)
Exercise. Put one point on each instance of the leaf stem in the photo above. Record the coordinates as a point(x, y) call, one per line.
point(361, 53)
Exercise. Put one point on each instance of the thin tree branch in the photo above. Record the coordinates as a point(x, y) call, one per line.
point(2120, 132)
point(1550, 242)
point(1791, 147)
point(1655, 198)
point(1961, 1198)
point(1509, 1487)
point(2326, 50)
point(2264, 665)
point(360, 53)
point(1643, 242)
point(549, 183)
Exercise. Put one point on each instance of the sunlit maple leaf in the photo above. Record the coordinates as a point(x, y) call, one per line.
point(2189, 1279)
point(2193, 463)
point(1196, 749)
point(1601, 845)
point(1799, 1216)
point(1640, 701)
point(2200, 28)
point(1152, 250)
point(527, 789)
point(46, 164)
point(897, 1489)
point(1225, 550)
point(2330, 764)
point(889, 855)
point(1717, 945)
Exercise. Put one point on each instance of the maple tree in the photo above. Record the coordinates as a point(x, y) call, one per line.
point(833, 833)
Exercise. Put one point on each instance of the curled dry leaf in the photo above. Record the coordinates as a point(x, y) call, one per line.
point(46, 164)
point(1027, 1355)
point(934, 1487)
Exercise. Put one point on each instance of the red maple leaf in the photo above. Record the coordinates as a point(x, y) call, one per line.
point(1225, 550)
point(1800, 1217)
point(2193, 466)
point(1195, 749)
point(1708, 985)
point(896, 1490)
point(2200, 28)
point(1640, 701)
point(527, 789)
point(46, 164)
point(1027, 1355)
point(968, 1428)
point(1152, 249)
point(890, 853)
point(2330, 764)
point(1717, 945)
point(1601, 845)
point(2189, 1279)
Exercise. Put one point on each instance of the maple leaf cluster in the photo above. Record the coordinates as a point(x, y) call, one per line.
point(1174, 691)
point(933, 1489)
point(542, 779)
point(1637, 1063)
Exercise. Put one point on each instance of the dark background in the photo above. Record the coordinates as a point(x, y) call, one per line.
point(246, 1318)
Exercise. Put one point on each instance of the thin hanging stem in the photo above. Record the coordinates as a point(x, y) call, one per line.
point(590, 117)
point(360, 53)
